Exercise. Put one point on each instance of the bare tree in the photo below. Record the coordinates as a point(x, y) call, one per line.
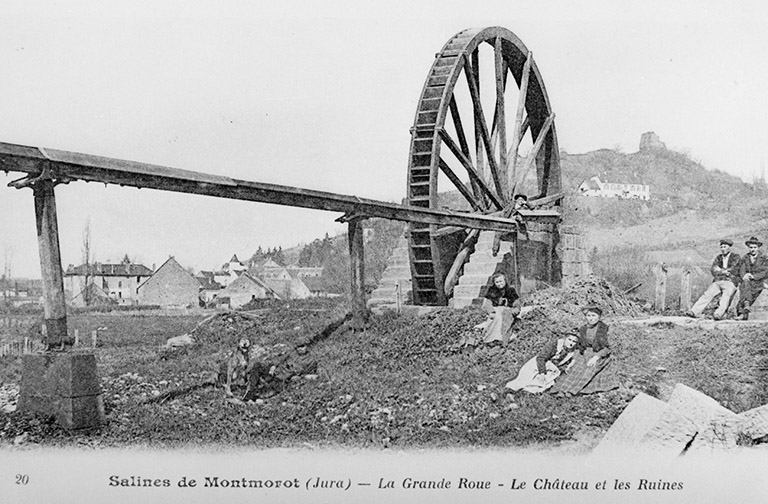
point(7, 261)
point(87, 257)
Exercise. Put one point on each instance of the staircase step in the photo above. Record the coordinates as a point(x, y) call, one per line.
point(469, 279)
point(470, 291)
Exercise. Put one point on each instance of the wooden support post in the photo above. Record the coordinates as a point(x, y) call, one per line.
point(660, 272)
point(399, 296)
point(77, 337)
point(357, 266)
point(685, 290)
point(94, 337)
point(54, 304)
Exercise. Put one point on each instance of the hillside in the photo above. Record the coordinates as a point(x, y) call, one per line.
point(677, 183)
point(690, 209)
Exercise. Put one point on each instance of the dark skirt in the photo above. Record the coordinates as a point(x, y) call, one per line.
point(582, 379)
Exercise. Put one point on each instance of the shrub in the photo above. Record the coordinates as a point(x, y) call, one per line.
point(623, 267)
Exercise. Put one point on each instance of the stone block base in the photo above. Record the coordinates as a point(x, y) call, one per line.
point(63, 385)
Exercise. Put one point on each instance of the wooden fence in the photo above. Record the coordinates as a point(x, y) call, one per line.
point(13, 343)
point(16, 347)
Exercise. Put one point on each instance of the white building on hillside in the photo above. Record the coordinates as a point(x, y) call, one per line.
point(594, 187)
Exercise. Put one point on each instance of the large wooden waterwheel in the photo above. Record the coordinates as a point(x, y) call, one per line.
point(475, 141)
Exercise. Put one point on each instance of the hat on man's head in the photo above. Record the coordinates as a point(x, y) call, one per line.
point(592, 309)
point(521, 196)
point(753, 241)
point(726, 241)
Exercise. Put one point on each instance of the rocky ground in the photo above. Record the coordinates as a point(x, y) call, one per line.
point(401, 382)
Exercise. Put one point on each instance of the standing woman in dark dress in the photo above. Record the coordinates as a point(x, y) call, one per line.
point(502, 304)
point(591, 371)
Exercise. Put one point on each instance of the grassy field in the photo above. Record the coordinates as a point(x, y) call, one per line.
point(398, 383)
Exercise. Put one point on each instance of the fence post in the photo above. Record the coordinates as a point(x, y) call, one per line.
point(77, 337)
point(94, 336)
point(399, 296)
point(685, 290)
point(660, 272)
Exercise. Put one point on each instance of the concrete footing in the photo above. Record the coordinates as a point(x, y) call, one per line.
point(64, 385)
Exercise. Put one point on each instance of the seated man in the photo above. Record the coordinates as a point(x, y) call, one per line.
point(753, 271)
point(725, 278)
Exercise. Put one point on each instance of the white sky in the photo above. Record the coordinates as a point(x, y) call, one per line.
point(322, 95)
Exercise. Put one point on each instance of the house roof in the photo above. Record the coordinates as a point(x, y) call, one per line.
point(171, 262)
point(245, 277)
point(314, 284)
point(268, 263)
point(208, 283)
point(590, 184)
point(97, 294)
point(106, 269)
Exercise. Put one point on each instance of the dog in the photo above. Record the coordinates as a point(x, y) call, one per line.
point(236, 366)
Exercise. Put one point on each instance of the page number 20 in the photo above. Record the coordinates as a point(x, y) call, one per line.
point(22, 479)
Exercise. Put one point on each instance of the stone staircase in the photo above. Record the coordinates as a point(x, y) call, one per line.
point(398, 270)
point(477, 271)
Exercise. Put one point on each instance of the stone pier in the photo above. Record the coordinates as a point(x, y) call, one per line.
point(64, 385)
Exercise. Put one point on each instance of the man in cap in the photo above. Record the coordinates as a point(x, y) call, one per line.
point(521, 202)
point(725, 278)
point(753, 271)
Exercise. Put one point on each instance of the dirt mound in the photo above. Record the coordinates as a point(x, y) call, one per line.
point(593, 292)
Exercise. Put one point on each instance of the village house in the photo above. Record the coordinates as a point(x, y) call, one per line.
point(290, 288)
point(244, 289)
point(117, 283)
point(268, 268)
point(170, 286)
point(19, 292)
point(284, 281)
point(229, 271)
point(316, 287)
point(209, 287)
point(304, 271)
point(594, 187)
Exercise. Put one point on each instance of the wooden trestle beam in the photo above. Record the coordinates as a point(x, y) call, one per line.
point(64, 166)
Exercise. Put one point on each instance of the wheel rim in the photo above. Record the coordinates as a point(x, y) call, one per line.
point(478, 137)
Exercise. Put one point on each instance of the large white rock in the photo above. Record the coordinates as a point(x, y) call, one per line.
point(178, 341)
point(717, 426)
point(755, 422)
point(648, 426)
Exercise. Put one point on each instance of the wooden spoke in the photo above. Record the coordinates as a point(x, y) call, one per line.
point(470, 169)
point(501, 71)
point(459, 185)
point(531, 159)
point(474, 75)
point(512, 153)
point(519, 132)
point(456, 117)
point(480, 120)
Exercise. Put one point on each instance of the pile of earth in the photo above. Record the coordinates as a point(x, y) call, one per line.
point(278, 353)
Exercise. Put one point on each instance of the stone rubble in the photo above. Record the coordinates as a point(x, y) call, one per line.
point(690, 423)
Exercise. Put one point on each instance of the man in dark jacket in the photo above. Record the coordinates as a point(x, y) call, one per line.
point(725, 278)
point(753, 271)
